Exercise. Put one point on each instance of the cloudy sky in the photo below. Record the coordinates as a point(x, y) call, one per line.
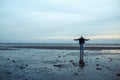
point(59, 20)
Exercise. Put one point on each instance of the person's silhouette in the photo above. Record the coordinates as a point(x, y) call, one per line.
point(81, 42)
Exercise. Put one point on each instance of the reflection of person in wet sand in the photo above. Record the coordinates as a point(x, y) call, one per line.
point(81, 42)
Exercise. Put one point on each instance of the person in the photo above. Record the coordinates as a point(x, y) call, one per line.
point(81, 42)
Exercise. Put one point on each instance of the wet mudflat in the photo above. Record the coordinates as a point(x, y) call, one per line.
point(47, 64)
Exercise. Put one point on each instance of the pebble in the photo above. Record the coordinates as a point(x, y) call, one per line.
point(13, 61)
point(22, 67)
point(59, 56)
point(26, 65)
point(76, 74)
point(8, 58)
point(74, 64)
point(71, 60)
point(8, 72)
point(118, 74)
point(99, 68)
point(97, 64)
point(97, 58)
point(59, 66)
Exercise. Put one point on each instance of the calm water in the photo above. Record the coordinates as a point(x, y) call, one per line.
point(57, 44)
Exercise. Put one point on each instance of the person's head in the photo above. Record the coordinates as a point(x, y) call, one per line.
point(81, 36)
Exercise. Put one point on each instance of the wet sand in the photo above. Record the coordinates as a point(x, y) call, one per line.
point(59, 63)
point(66, 47)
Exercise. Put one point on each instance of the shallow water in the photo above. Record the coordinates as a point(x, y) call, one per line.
point(46, 64)
point(58, 44)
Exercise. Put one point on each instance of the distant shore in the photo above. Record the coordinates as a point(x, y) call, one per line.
point(62, 47)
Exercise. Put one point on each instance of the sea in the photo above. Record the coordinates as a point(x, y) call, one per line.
point(60, 44)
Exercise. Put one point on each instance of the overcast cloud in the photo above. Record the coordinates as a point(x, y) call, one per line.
point(59, 20)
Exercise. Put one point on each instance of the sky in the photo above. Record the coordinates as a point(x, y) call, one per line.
point(59, 21)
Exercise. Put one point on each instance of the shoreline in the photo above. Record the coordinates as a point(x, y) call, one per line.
point(67, 47)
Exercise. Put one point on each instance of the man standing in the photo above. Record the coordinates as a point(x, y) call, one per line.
point(81, 42)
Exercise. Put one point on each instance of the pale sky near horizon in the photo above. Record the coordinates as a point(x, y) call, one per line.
point(59, 20)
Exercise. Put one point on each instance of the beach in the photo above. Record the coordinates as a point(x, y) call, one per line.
point(59, 62)
point(59, 46)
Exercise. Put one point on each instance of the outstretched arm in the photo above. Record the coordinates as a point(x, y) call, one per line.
point(87, 39)
point(76, 39)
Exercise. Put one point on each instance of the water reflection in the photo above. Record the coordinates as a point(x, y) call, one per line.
point(81, 64)
point(111, 51)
